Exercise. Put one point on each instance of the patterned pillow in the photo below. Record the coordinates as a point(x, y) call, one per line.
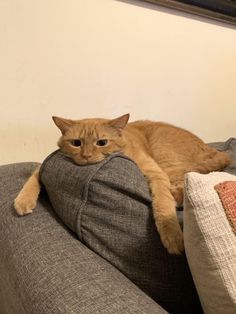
point(227, 194)
point(210, 242)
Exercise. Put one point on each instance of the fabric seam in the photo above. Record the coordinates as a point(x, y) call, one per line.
point(80, 211)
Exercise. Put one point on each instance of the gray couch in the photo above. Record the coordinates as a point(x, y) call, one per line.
point(45, 269)
point(90, 246)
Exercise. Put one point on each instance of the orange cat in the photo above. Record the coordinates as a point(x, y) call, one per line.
point(164, 153)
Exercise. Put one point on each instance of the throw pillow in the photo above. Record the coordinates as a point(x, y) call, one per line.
point(210, 242)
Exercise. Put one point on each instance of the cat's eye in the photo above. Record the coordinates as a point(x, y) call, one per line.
point(76, 143)
point(102, 142)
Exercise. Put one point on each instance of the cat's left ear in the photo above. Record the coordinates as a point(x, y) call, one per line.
point(120, 122)
point(62, 124)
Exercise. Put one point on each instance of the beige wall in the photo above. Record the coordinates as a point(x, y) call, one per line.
point(88, 58)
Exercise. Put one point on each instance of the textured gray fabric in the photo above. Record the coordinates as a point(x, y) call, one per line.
point(230, 147)
point(108, 205)
point(44, 269)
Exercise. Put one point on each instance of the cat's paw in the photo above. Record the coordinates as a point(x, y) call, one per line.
point(24, 204)
point(172, 238)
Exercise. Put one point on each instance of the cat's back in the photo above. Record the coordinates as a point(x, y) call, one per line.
point(166, 139)
point(162, 132)
point(172, 147)
point(146, 127)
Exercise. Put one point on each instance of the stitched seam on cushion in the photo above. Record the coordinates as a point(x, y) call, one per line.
point(78, 221)
point(52, 162)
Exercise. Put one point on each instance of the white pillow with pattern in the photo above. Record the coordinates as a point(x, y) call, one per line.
point(210, 242)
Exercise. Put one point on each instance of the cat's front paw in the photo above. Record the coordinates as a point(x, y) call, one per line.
point(24, 204)
point(172, 238)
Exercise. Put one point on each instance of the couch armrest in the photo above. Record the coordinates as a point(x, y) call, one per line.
point(44, 268)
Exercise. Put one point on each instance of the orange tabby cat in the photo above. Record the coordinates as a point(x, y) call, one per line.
point(164, 153)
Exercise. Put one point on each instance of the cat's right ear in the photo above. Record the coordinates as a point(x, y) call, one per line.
point(62, 124)
point(120, 122)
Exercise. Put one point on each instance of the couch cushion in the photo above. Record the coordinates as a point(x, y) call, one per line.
point(108, 205)
point(230, 147)
point(210, 242)
point(44, 269)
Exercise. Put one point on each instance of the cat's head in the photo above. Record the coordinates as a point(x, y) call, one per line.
point(90, 140)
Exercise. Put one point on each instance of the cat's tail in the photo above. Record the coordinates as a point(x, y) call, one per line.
point(220, 160)
point(213, 161)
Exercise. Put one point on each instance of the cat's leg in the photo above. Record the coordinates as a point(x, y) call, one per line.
point(177, 186)
point(164, 205)
point(27, 198)
point(177, 191)
point(176, 175)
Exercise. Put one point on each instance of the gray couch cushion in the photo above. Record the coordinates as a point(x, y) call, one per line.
point(230, 147)
point(44, 269)
point(108, 205)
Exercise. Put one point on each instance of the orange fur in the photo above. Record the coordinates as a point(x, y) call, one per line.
point(164, 153)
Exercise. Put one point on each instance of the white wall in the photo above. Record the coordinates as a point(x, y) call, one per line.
point(90, 58)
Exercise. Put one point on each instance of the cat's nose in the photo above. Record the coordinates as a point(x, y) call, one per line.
point(86, 155)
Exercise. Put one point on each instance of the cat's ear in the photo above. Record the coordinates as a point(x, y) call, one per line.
point(120, 122)
point(62, 124)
